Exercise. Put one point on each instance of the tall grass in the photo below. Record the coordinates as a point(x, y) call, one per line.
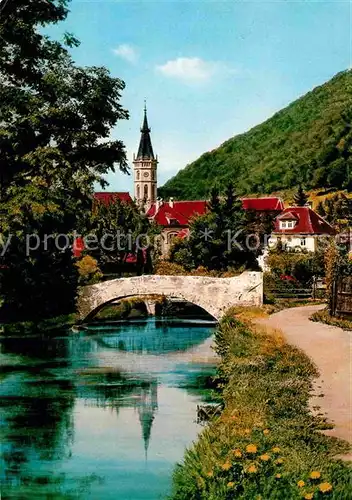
point(266, 444)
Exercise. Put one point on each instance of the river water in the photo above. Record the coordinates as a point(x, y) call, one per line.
point(103, 413)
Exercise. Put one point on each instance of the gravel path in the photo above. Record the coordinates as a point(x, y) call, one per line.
point(330, 349)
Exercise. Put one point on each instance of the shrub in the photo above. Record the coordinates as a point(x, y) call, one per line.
point(165, 267)
point(89, 272)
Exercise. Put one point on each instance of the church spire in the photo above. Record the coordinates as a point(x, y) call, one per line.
point(145, 168)
point(145, 150)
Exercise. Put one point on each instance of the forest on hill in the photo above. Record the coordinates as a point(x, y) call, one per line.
point(309, 142)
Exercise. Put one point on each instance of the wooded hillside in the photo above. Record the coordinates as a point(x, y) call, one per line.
point(308, 142)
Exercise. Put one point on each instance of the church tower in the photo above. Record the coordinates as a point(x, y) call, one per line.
point(145, 172)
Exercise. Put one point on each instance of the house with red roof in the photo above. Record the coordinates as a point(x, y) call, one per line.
point(300, 228)
point(174, 217)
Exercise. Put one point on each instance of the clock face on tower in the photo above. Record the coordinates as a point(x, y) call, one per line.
point(146, 174)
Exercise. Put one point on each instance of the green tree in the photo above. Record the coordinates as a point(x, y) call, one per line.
point(55, 123)
point(320, 209)
point(300, 198)
point(121, 230)
point(218, 239)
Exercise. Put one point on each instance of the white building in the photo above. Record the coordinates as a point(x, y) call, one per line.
point(300, 228)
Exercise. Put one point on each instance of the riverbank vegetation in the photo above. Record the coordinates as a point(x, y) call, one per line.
point(48, 326)
point(124, 309)
point(324, 317)
point(55, 145)
point(266, 443)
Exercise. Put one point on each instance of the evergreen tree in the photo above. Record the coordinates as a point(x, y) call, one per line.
point(218, 239)
point(320, 209)
point(214, 203)
point(300, 198)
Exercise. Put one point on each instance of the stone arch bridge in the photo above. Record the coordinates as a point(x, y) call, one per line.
point(214, 295)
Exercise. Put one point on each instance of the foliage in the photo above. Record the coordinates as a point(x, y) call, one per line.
point(122, 230)
point(266, 444)
point(337, 210)
point(308, 142)
point(89, 272)
point(165, 267)
point(38, 278)
point(337, 265)
point(124, 309)
point(299, 265)
point(219, 240)
point(300, 198)
point(43, 327)
point(55, 122)
point(323, 316)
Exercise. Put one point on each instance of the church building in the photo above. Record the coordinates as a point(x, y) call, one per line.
point(173, 216)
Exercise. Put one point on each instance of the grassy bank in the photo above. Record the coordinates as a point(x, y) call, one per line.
point(265, 444)
point(324, 317)
point(124, 309)
point(44, 326)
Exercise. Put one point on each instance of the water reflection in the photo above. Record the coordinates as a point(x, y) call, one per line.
point(98, 414)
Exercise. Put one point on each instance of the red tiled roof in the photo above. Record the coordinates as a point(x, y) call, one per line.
point(287, 216)
point(178, 214)
point(307, 222)
point(267, 204)
point(109, 197)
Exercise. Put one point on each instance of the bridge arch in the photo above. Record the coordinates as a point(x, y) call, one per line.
point(149, 300)
point(214, 295)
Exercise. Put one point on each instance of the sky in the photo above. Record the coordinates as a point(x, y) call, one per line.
point(208, 69)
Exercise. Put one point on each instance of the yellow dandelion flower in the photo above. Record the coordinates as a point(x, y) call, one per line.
point(325, 487)
point(315, 474)
point(300, 484)
point(264, 457)
point(251, 448)
point(210, 474)
point(237, 453)
point(266, 432)
point(226, 466)
point(279, 461)
point(252, 469)
point(278, 476)
point(230, 484)
point(276, 449)
point(309, 496)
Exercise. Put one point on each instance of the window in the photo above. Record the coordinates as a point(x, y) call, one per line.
point(137, 175)
point(303, 242)
point(146, 191)
point(138, 192)
point(289, 224)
